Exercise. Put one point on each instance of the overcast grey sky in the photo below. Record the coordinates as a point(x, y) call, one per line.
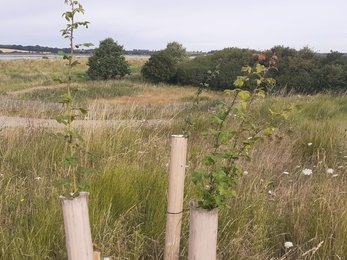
point(197, 24)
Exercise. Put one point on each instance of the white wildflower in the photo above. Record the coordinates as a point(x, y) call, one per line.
point(245, 172)
point(309, 144)
point(38, 178)
point(286, 173)
point(330, 170)
point(288, 244)
point(307, 172)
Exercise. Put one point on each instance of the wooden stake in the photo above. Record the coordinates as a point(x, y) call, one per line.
point(175, 196)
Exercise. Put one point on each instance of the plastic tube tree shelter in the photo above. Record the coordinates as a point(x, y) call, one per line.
point(203, 229)
point(175, 196)
point(77, 227)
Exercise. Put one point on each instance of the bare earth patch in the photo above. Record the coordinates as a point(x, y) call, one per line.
point(6, 121)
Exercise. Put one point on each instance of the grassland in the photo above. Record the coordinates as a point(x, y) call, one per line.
point(276, 202)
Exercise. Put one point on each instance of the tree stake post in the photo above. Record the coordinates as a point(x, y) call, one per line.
point(175, 196)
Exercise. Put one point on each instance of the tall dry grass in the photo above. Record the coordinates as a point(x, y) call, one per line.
point(276, 202)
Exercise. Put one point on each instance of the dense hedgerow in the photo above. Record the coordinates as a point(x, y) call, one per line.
point(302, 71)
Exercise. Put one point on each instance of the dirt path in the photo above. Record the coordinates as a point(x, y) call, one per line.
point(6, 121)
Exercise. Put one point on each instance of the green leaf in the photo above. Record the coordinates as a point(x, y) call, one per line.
point(75, 63)
point(61, 120)
point(244, 95)
point(260, 68)
point(88, 45)
point(268, 131)
point(59, 80)
point(196, 177)
point(224, 138)
point(239, 82)
point(83, 110)
point(56, 184)
point(70, 160)
point(219, 120)
point(85, 170)
point(247, 69)
point(61, 53)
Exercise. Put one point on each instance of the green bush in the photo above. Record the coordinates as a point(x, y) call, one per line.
point(194, 71)
point(160, 67)
point(230, 60)
point(302, 71)
point(177, 51)
point(108, 61)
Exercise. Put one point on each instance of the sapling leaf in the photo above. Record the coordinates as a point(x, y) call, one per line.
point(247, 69)
point(219, 120)
point(56, 184)
point(239, 81)
point(66, 57)
point(75, 63)
point(244, 95)
point(88, 44)
point(85, 170)
point(61, 120)
point(67, 195)
point(223, 138)
point(196, 177)
point(260, 68)
point(83, 110)
point(75, 194)
point(59, 80)
point(268, 131)
point(85, 186)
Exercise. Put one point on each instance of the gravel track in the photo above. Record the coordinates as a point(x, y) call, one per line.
point(6, 121)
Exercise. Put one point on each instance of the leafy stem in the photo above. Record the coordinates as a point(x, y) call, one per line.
point(71, 137)
point(234, 134)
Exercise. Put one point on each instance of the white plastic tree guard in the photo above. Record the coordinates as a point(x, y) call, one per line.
point(77, 227)
point(203, 231)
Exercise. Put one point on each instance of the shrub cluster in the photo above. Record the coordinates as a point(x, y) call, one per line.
point(162, 66)
point(303, 71)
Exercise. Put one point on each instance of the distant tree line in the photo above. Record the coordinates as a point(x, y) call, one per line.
point(298, 71)
point(40, 49)
point(303, 71)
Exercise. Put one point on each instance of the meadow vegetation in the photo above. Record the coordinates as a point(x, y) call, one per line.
point(278, 200)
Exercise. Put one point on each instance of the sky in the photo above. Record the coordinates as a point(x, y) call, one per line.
point(197, 24)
